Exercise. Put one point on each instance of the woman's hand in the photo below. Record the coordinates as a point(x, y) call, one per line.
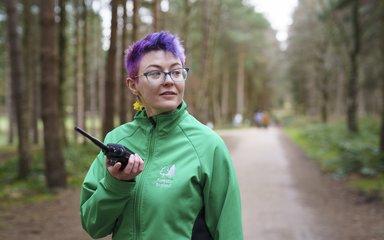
point(134, 167)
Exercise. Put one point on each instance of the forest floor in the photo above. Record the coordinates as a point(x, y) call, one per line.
point(284, 196)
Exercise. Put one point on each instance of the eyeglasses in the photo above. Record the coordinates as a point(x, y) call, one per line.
point(177, 75)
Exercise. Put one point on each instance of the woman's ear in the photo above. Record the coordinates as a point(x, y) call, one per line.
point(131, 84)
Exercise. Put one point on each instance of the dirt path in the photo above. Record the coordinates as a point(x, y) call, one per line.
point(54, 220)
point(284, 196)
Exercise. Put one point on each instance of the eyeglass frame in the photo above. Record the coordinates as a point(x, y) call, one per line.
point(165, 74)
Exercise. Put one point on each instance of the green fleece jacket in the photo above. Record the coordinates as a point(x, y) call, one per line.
point(187, 190)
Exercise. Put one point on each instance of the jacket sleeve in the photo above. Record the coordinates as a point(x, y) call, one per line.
point(102, 199)
point(222, 197)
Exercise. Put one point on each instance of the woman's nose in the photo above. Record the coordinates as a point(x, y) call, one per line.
point(167, 78)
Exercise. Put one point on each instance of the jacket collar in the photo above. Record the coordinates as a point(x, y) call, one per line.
point(162, 122)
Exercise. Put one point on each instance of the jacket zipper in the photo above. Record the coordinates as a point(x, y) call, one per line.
point(137, 203)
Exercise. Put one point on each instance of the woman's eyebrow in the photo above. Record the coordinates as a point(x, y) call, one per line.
point(159, 66)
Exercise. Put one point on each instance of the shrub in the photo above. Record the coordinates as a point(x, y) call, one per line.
point(340, 152)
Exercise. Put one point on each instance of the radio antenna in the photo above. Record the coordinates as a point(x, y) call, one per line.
point(93, 139)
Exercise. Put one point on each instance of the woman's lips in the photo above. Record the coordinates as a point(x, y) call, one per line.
point(167, 93)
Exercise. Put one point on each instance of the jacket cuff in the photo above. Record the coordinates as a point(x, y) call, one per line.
point(118, 186)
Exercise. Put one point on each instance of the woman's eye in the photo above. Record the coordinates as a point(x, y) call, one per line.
point(176, 72)
point(154, 74)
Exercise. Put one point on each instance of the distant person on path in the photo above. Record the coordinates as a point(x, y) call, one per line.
point(265, 120)
point(258, 118)
point(181, 183)
point(237, 120)
point(261, 119)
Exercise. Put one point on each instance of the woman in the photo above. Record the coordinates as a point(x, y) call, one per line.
point(186, 187)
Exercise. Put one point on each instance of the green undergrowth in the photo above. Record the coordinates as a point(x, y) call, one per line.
point(353, 156)
point(368, 184)
point(14, 191)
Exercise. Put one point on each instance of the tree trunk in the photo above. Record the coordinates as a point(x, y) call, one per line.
point(185, 27)
point(324, 98)
point(381, 142)
point(135, 36)
point(20, 103)
point(135, 20)
point(382, 114)
point(9, 103)
point(201, 87)
point(96, 56)
point(212, 72)
point(54, 161)
point(322, 82)
point(353, 77)
point(84, 43)
point(78, 98)
point(62, 68)
point(225, 91)
point(109, 111)
point(123, 89)
point(28, 61)
point(34, 77)
point(240, 81)
point(156, 15)
point(36, 101)
point(215, 96)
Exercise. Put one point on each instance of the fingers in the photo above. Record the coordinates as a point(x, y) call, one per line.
point(113, 169)
point(130, 164)
point(135, 166)
point(141, 165)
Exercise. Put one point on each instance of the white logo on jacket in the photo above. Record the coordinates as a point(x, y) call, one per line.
point(168, 171)
point(166, 176)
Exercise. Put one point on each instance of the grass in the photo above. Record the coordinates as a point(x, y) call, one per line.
point(368, 184)
point(355, 157)
point(13, 191)
point(316, 141)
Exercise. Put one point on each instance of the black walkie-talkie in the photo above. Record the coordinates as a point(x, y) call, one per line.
point(114, 152)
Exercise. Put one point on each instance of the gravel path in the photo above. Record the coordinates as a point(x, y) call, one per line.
point(271, 203)
point(285, 196)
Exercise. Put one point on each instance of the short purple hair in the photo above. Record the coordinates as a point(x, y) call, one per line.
point(155, 41)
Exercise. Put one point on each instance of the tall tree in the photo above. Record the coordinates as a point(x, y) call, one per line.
point(185, 26)
point(225, 91)
point(123, 110)
point(353, 77)
point(97, 59)
point(54, 160)
point(135, 20)
point(352, 39)
point(134, 37)
point(28, 58)
point(77, 72)
point(62, 66)
point(32, 41)
point(156, 15)
point(84, 43)
point(381, 20)
point(202, 82)
point(240, 80)
point(10, 110)
point(110, 77)
point(381, 142)
point(20, 103)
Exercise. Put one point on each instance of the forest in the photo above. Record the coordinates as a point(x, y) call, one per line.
point(62, 66)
